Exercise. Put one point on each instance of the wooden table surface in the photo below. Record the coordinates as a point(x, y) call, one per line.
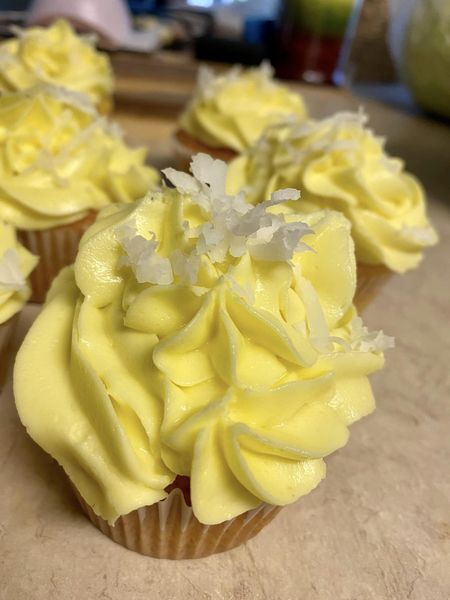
point(377, 528)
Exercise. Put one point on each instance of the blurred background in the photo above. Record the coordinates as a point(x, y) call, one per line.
point(396, 51)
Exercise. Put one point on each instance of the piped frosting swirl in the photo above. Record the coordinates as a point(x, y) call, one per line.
point(231, 110)
point(59, 160)
point(55, 55)
point(339, 164)
point(198, 335)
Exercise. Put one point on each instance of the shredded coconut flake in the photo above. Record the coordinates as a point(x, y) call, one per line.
point(11, 278)
point(317, 325)
point(185, 266)
point(77, 100)
point(286, 194)
point(210, 172)
point(142, 256)
point(363, 340)
point(425, 236)
point(233, 227)
point(184, 183)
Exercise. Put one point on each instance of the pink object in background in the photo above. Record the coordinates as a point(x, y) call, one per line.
point(110, 19)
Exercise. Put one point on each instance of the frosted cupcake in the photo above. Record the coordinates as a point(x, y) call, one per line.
point(16, 263)
point(338, 163)
point(56, 55)
point(60, 164)
point(205, 358)
point(229, 112)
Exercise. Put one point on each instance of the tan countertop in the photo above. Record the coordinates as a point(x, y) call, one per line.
point(378, 527)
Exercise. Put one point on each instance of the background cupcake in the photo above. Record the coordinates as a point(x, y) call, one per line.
point(337, 163)
point(198, 337)
point(56, 55)
point(16, 263)
point(61, 163)
point(229, 112)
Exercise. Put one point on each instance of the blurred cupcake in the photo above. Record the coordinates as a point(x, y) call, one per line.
point(230, 111)
point(337, 163)
point(199, 362)
point(61, 163)
point(16, 263)
point(56, 55)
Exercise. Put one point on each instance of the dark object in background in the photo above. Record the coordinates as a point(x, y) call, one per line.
point(14, 5)
point(217, 49)
point(311, 37)
point(139, 7)
point(210, 45)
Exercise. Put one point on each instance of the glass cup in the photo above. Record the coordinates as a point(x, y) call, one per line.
point(313, 35)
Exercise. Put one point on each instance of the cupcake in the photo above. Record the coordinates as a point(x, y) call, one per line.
point(339, 164)
point(198, 362)
point(61, 163)
point(58, 56)
point(230, 111)
point(16, 263)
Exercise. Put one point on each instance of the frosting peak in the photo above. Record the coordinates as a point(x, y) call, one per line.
point(239, 369)
point(231, 110)
point(58, 56)
point(59, 159)
point(338, 163)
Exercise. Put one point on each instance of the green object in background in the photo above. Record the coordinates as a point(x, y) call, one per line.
point(426, 58)
point(320, 17)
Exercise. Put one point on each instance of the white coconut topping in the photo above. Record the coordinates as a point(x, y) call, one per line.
point(232, 228)
point(185, 266)
point(363, 340)
point(425, 236)
point(142, 256)
point(322, 137)
point(11, 278)
point(77, 100)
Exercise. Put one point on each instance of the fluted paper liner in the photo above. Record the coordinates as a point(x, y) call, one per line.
point(56, 247)
point(7, 330)
point(370, 280)
point(169, 529)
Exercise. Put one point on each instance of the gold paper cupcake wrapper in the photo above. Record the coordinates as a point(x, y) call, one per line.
point(370, 280)
point(7, 331)
point(169, 529)
point(56, 248)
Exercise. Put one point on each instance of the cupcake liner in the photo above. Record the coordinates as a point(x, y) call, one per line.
point(370, 280)
point(7, 331)
point(169, 529)
point(185, 146)
point(56, 247)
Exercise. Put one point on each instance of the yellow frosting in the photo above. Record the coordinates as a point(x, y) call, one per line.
point(16, 263)
point(337, 163)
point(201, 336)
point(59, 160)
point(232, 110)
point(55, 55)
